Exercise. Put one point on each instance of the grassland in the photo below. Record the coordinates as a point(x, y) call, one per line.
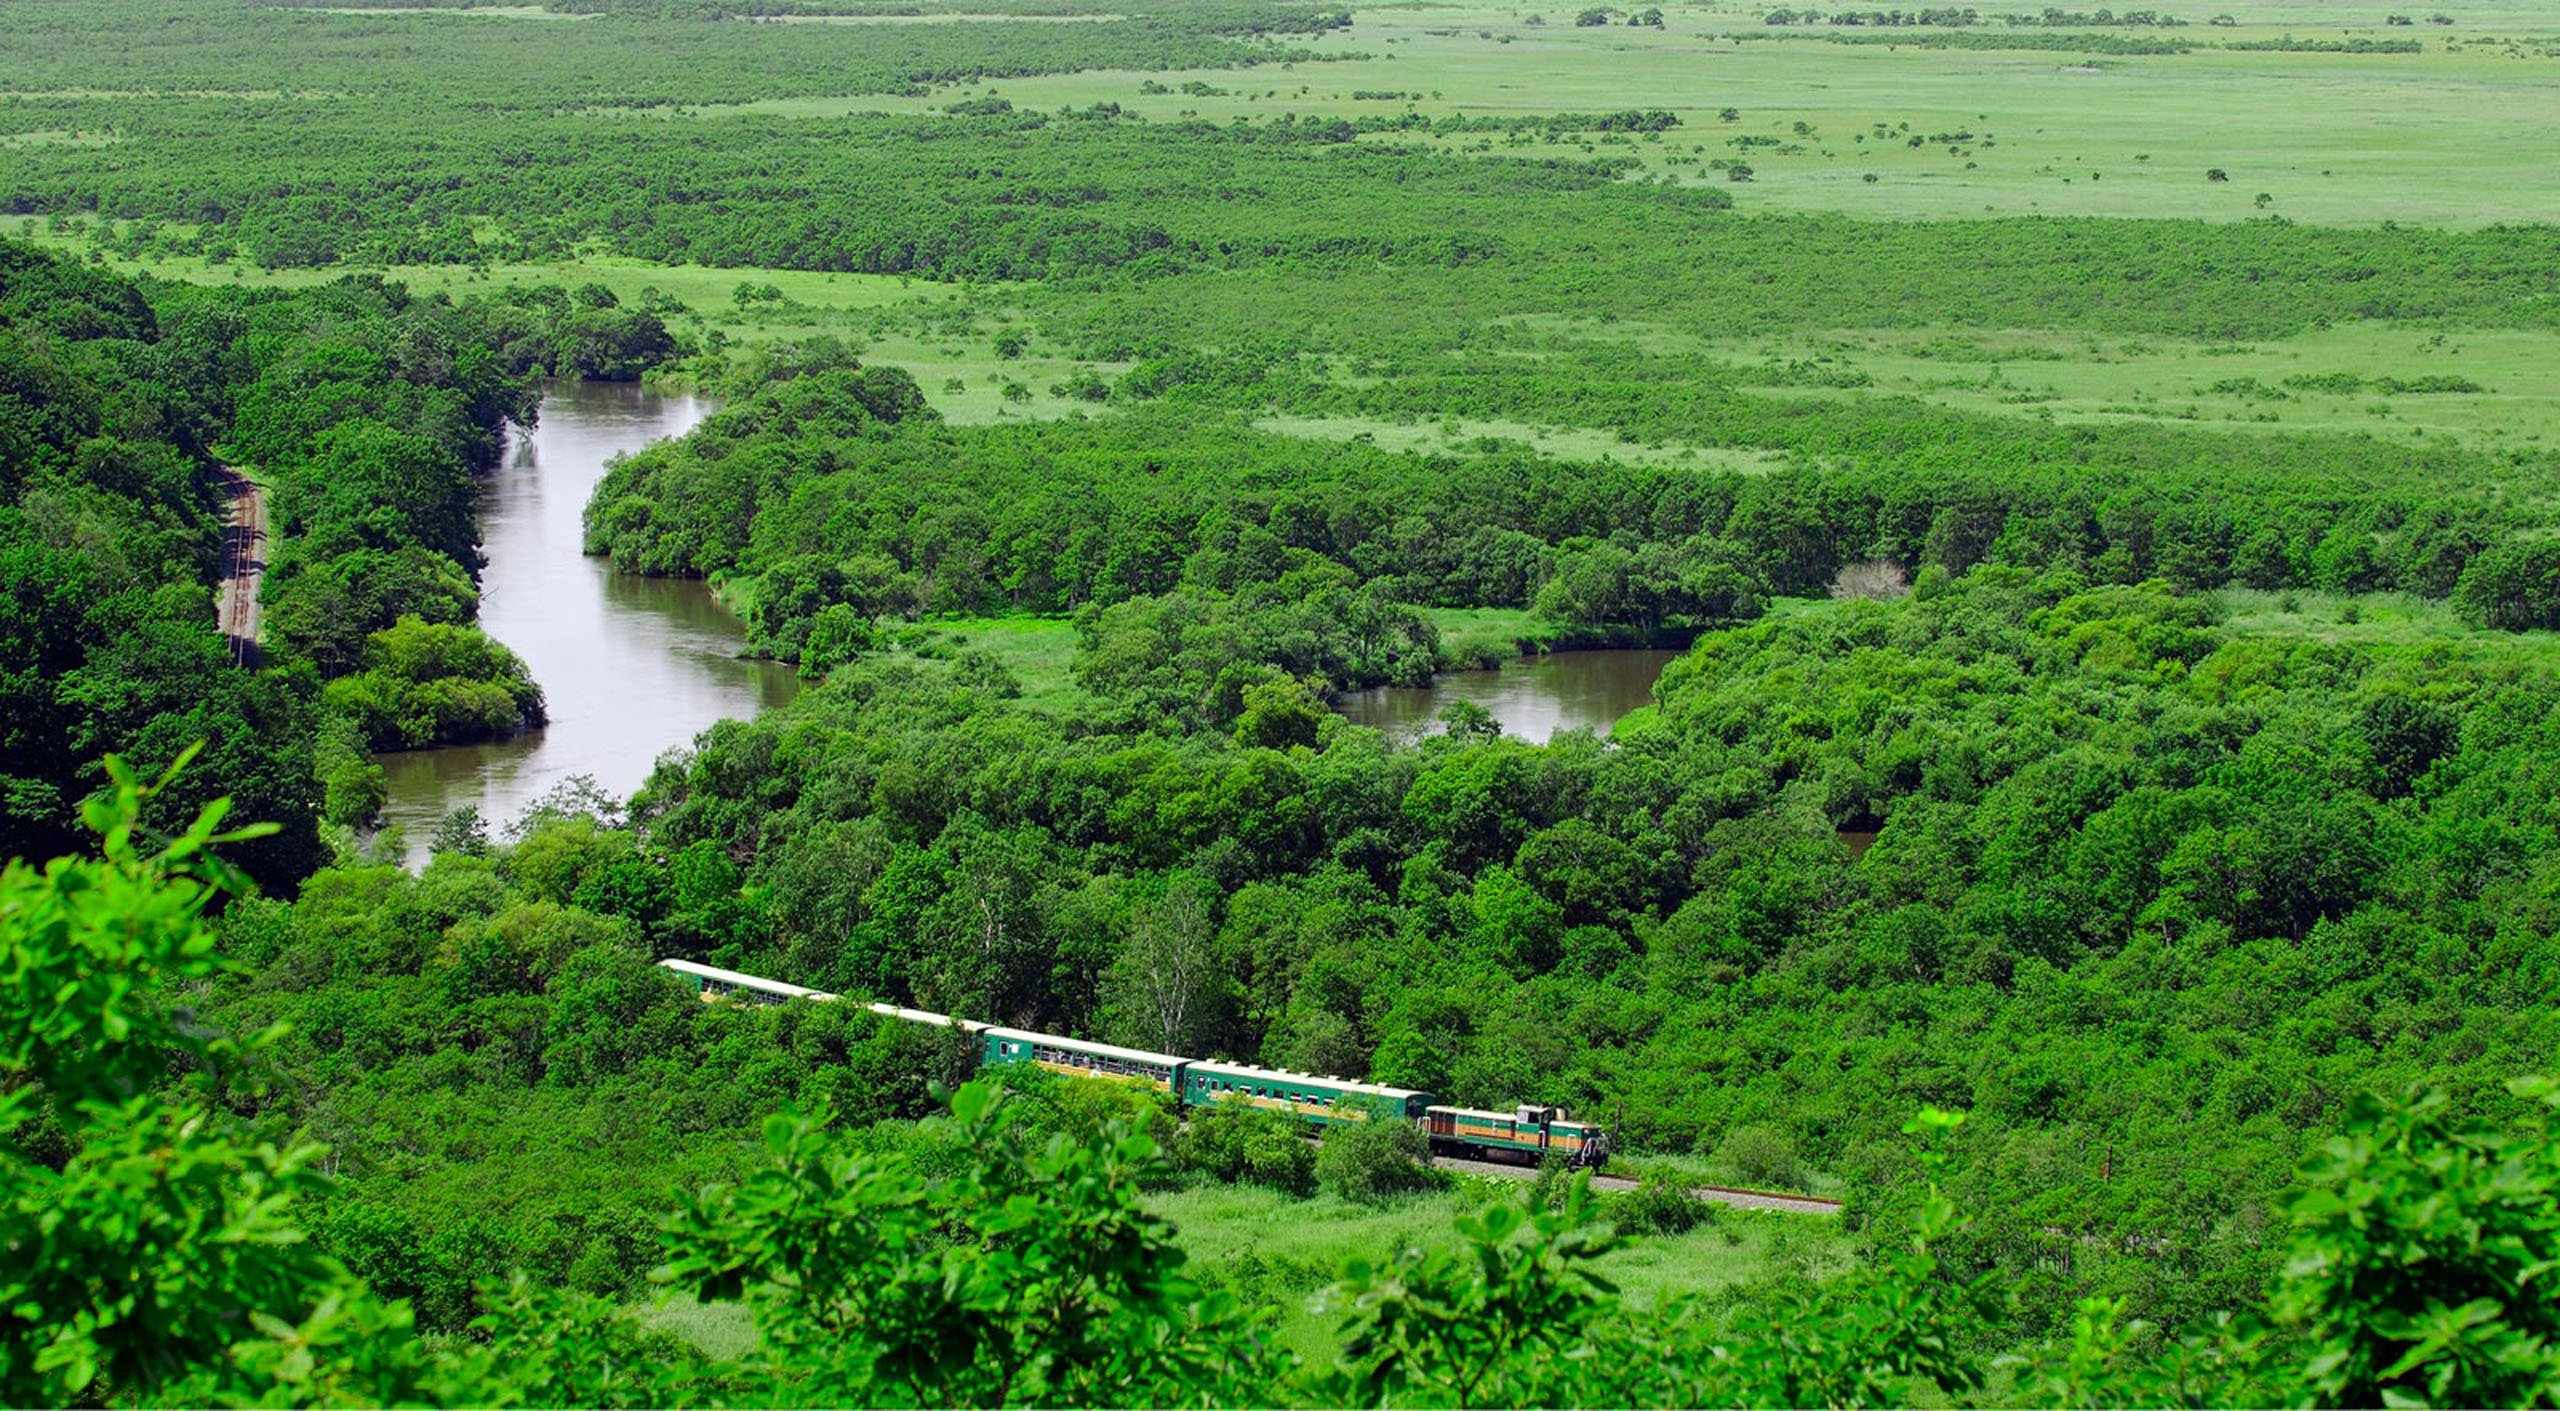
point(2459, 135)
point(2291, 384)
point(1270, 1246)
point(947, 336)
point(2326, 139)
point(1288, 1250)
point(2455, 136)
point(2381, 618)
point(811, 303)
point(1037, 650)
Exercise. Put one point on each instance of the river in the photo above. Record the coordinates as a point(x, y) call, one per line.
point(629, 666)
point(1532, 698)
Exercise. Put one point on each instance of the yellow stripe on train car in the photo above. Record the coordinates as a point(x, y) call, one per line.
point(1074, 1070)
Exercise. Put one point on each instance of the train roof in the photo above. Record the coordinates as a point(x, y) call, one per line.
point(778, 987)
point(753, 982)
point(1246, 1070)
point(925, 1016)
point(1126, 1055)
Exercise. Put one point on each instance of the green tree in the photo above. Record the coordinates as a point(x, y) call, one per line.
point(160, 1246)
point(1372, 1160)
point(2515, 586)
point(2422, 1260)
point(1281, 713)
point(1031, 1276)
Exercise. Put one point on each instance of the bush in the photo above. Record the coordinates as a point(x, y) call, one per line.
point(1661, 1204)
point(1760, 1156)
point(1880, 579)
point(1047, 1104)
point(428, 683)
point(1236, 1141)
point(1368, 1161)
point(2512, 586)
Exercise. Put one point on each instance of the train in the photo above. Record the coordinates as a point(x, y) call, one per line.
point(1526, 1134)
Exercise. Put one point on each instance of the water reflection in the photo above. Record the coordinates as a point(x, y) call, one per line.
point(1532, 698)
point(629, 666)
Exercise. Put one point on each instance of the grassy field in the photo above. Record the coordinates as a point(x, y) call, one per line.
point(2288, 384)
point(946, 337)
point(1462, 435)
point(1286, 1250)
point(2380, 618)
point(2459, 135)
point(1037, 650)
point(893, 318)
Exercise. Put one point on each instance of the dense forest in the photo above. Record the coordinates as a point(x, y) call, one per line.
point(1000, 1255)
point(365, 417)
point(2095, 835)
point(831, 492)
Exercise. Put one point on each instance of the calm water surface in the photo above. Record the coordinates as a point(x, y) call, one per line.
point(1533, 697)
point(629, 666)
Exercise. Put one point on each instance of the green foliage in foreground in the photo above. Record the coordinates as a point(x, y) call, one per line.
point(156, 1254)
point(1031, 1277)
point(2423, 1261)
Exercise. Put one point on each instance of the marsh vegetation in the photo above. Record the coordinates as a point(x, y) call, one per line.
point(2079, 490)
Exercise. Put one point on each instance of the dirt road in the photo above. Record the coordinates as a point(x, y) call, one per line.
point(244, 564)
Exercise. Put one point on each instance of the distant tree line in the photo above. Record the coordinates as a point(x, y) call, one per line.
point(840, 489)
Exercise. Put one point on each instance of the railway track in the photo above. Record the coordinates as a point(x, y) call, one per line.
point(244, 564)
point(1717, 1195)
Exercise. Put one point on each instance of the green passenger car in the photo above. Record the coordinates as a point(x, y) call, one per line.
point(1080, 1057)
point(1322, 1102)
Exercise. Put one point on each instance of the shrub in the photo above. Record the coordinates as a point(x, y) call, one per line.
point(1661, 1204)
point(2512, 586)
point(1236, 1141)
point(1878, 579)
point(1760, 1156)
point(1368, 1161)
point(1046, 1104)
